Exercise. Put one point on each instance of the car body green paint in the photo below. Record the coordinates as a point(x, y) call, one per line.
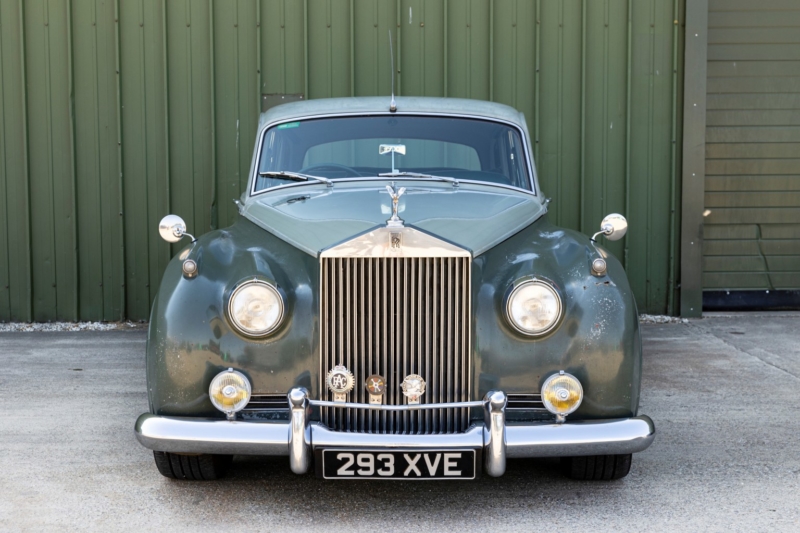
point(280, 233)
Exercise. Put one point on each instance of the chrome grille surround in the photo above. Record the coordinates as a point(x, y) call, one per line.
point(396, 311)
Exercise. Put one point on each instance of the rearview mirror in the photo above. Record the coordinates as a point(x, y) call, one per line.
point(393, 148)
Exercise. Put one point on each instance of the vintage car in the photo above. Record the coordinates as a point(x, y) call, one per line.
point(392, 303)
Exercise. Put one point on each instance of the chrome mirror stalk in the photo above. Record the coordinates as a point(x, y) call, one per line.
point(613, 226)
point(172, 228)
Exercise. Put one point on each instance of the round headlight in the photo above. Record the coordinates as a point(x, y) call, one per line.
point(534, 307)
point(255, 308)
point(562, 393)
point(229, 391)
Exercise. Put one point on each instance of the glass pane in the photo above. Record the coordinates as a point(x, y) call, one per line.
point(348, 147)
point(419, 153)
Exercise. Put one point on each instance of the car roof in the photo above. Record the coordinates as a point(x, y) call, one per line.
point(405, 104)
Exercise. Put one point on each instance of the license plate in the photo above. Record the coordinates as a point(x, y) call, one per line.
point(398, 464)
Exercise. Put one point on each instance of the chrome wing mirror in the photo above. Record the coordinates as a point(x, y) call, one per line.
point(172, 228)
point(614, 227)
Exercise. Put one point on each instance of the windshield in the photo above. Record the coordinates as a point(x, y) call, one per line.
point(352, 147)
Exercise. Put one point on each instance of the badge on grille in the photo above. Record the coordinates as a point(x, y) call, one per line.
point(340, 382)
point(413, 387)
point(395, 241)
point(376, 386)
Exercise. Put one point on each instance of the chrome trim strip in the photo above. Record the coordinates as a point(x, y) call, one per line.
point(466, 332)
point(406, 407)
point(322, 437)
point(532, 176)
point(375, 244)
point(404, 178)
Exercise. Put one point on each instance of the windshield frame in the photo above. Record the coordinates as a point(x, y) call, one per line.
point(532, 176)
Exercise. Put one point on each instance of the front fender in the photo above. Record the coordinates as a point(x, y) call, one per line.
point(597, 340)
point(190, 339)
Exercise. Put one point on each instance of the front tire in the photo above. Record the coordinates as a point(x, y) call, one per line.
point(202, 467)
point(596, 467)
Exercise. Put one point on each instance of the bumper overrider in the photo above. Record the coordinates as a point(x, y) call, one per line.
point(299, 437)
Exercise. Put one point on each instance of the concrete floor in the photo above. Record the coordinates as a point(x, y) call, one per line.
point(723, 391)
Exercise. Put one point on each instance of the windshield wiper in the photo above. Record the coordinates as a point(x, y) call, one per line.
point(294, 176)
point(418, 175)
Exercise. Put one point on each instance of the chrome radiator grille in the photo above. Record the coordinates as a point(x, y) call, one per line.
point(395, 317)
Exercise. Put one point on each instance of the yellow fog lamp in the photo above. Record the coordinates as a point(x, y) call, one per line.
point(562, 394)
point(229, 392)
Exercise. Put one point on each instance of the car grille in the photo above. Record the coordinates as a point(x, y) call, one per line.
point(531, 402)
point(262, 402)
point(395, 317)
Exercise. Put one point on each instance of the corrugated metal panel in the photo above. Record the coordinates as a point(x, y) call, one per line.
point(115, 113)
point(16, 284)
point(145, 150)
point(51, 159)
point(752, 198)
point(100, 290)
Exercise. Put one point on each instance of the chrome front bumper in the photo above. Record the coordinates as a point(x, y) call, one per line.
point(299, 437)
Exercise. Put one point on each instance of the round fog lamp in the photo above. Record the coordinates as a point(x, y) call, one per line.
point(562, 394)
point(229, 391)
point(255, 308)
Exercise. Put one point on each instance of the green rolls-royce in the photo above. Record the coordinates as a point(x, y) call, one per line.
point(392, 303)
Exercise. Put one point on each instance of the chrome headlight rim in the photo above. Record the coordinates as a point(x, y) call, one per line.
point(543, 282)
point(237, 289)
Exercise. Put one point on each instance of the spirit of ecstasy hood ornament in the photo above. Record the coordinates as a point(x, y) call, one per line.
point(395, 221)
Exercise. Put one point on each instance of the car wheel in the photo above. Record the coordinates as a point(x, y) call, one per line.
point(192, 467)
point(597, 467)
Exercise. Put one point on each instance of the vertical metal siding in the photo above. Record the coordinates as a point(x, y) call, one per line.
point(51, 159)
point(115, 113)
point(16, 278)
point(96, 160)
point(145, 151)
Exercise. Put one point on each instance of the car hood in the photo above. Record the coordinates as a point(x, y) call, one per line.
point(313, 217)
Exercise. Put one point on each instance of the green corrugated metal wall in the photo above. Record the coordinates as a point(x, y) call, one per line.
point(752, 189)
point(115, 113)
